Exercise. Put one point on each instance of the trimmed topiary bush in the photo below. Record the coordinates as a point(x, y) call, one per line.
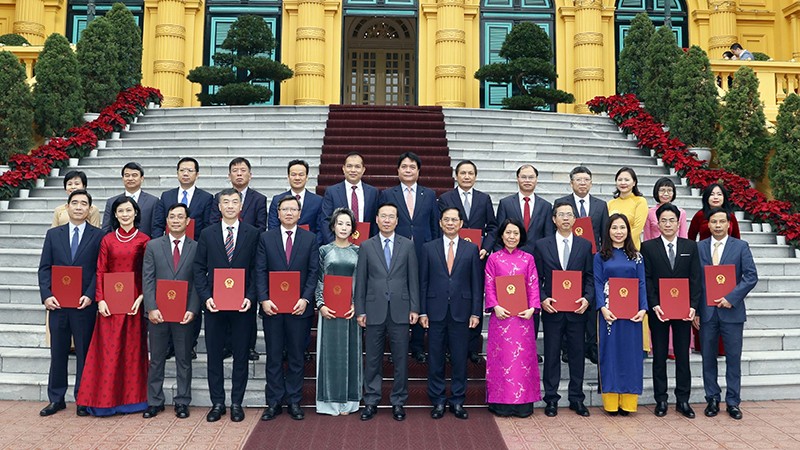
point(662, 55)
point(630, 68)
point(694, 107)
point(16, 108)
point(13, 39)
point(98, 61)
point(58, 94)
point(784, 172)
point(128, 37)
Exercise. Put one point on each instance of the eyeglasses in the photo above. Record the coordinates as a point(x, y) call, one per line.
point(288, 209)
point(582, 180)
point(450, 220)
point(186, 171)
point(668, 221)
point(387, 217)
point(565, 215)
point(665, 190)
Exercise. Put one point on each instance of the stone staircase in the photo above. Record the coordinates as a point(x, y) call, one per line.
point(497, 141)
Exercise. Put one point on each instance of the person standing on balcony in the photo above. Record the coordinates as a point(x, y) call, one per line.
point(741, 53)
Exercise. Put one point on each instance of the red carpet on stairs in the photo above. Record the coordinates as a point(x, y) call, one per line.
point(381, 134)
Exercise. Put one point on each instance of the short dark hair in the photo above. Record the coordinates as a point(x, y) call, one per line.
point(523, 234)
point(76, 174)
point(718, 210)
point(560, 203)
point(727, 54)
point(466, 161)
point(121, 200)
point(635, 191)
point(736, 46)
point(535, 170)
point(131, 166)
point(237, 161)
point(287, 198)
point(296, 162)
point(668, 207)
point(384, 204)
point(179, 205)
point(228, 191)
point(351, 154)
point(410, 155)
point(451, 208)
point(80, 192)
point(579, 169)
point(664, 182)
point(342, 212)
point(191, 160)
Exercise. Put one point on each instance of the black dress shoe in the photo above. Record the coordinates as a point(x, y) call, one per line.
point(437, 412)
point(81, 411)
point(217, 411)
point(579, 408)
point(52, 408)
point(398, 413)
point(152, 411)
point(735, 412)
point(170, 353)
point(540, 359)
point(307, 356)
point(661, 409)
point(613, 413)
point(685, 409)
point(237, 413)
point(459, 412)
point(475, 357)
point(551, 409)
point(420, 357)
point(296, 412)
point(226, 353)
point(390, 359)
point(271, 412)
point(623, 413)
point(194, 354)
point(712, 408)
point(564, 357)
point(591, 355)
point(182, 411)
point(253, 356)
point(448, 357)
point(369, 412)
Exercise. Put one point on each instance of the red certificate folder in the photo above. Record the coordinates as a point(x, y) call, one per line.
point(361, 234)
point(189, 229)
point(623, 297)
point(65, 283)
point(720, 281)
point(304, 226)
point(673, 296)
point(171, 297)
point(583, 228)
point(284, 290)
point(119, 291)
point(473, 235)
point(511, 293)
point(229, 289)
point(567, 289)
point(337, 291)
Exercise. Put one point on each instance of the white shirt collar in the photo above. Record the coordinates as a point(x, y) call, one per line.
point(135, 195)
point(413, 188)
point(461, 192)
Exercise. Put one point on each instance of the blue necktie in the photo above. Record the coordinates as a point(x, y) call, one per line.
point(387, 253)
point(185, 199)
point(75, 242)
point(583, 210)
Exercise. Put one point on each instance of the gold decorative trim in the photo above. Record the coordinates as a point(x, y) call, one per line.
point(171, 102)
point(314, 33)
point(169, 29)
point(588, 73)
point(171, 65)
point(722, 6)
point(309, 68)
point(25, 27)
point(588, 38)
point(721, 41)
point(588, 4)
point(450, 70)
point(450, 35)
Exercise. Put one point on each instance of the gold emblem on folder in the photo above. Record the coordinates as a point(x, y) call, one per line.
point(285, 286)
point(356, 234)
point(337, 290)
point(674, 292)
point(229, 283)
point(171, 294)
point(511, 289)
point(720, 279)
point(623, 292)
point(118, 286)
point(66, 280)
point(567, 284)
point(578, 231)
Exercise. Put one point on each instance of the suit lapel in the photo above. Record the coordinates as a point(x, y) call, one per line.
point(379, 251)
point(64, 241)
point(87, 234)
point(517, 209)
point(166, 246)
point(443, 256)
point(400, 201)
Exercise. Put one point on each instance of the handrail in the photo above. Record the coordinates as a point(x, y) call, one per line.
point(776, 80)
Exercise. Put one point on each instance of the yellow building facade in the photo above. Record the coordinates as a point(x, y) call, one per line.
point(414, 52)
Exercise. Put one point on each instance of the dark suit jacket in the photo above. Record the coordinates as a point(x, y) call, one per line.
point(687, 265)
point(199, 210)
point(462, 290)
point(541, 218)
point(271, 257)
point(736, 252)
point(211, 255)
point(336, 197)
point(158, 265)
point(481, 214)
point(425, 226)
point(580, 259)
point(312, 203)
point(379, 288)
point(56, 252)
point(147, 204)
point(254, 210)
point(598, 211)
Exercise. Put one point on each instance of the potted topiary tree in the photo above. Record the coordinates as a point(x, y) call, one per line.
point(694, 106)
point(57, 95)
point(662, 55)
point(630, 68)
point(128, 37)
point(529, 53)
point(16, 108)
point(98, 62)
point(784, 173)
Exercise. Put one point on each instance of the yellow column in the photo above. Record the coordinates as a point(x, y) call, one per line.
point(588, 50)
point(450, 54)
point(722, 26)
point(28, 21)
point(169, 69)
point(309, 71)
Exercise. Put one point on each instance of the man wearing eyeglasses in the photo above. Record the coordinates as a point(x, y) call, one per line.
point(197, 200)
point(533, 211)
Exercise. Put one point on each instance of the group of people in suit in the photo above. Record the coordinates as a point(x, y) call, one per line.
point(414, 271)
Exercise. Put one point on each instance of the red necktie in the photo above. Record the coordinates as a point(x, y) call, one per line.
point(176, 255)
point(526, 215)
point(288, 246)
point(354, 203)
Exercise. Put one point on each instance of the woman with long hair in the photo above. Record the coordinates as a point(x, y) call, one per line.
point(714, 196)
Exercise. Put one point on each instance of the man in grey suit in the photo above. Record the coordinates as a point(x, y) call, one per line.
point(170, 257)
point(386, 302)
point(132, 178)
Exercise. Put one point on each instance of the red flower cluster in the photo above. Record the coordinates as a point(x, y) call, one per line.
point(632, 118)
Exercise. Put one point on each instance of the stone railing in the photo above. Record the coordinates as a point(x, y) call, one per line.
point(776, 79)
point(27, 54)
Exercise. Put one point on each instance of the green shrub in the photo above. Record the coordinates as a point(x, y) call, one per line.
point(16, 108)
point(13, 39)
point(758, 56)
point(662, 55)
point(57, 96)
point(98, 61)
point(128, 37)
point(784, 172)
point(630, 68)
point(694, 107)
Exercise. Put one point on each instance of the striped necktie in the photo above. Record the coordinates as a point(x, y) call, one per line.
point(229, 244)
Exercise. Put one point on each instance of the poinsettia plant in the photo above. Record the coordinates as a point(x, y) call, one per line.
point(9, 184)
point(81, 140)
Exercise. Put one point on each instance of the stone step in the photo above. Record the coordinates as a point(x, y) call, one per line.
point(211, 113)
point(164, 173)
point(771, 340)
point(553, 150)
point(772, 301)
point(19, 294)
point(199, 143)
point(30, 241)
point(783, 319)
point(478, 116)
point(501, 125)
point(306, 132)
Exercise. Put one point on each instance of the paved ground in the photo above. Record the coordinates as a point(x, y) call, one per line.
point(771, 424)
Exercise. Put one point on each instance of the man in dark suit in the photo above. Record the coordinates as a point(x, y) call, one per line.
point(565, 251)
point(451, 296)
point(587, 205)
point(132, 178)
point(352, 193)
point(533, 211)
point(231, 245)
point(297, 171)
point(669, 256)
point(386, 301)
point(417, 219)
point(170, 257)
point(75, 244)
point(287, 248)
point(726, 320)
point(199, 201)
point(476, 207)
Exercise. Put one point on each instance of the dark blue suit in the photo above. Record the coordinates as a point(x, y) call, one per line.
point(336, 196)
point(69, 323)
point(481, 214)
point(541, 224)
point(211, 255)
point(724, 322)
point(560, 324)
point(254, 210)
point(449, 299)
point(312, 203)
point(598, 211)
point(200, 210)
point(286, 331)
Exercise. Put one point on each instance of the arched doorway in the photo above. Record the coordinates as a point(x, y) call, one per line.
point(626, 10)
point(380, 66)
